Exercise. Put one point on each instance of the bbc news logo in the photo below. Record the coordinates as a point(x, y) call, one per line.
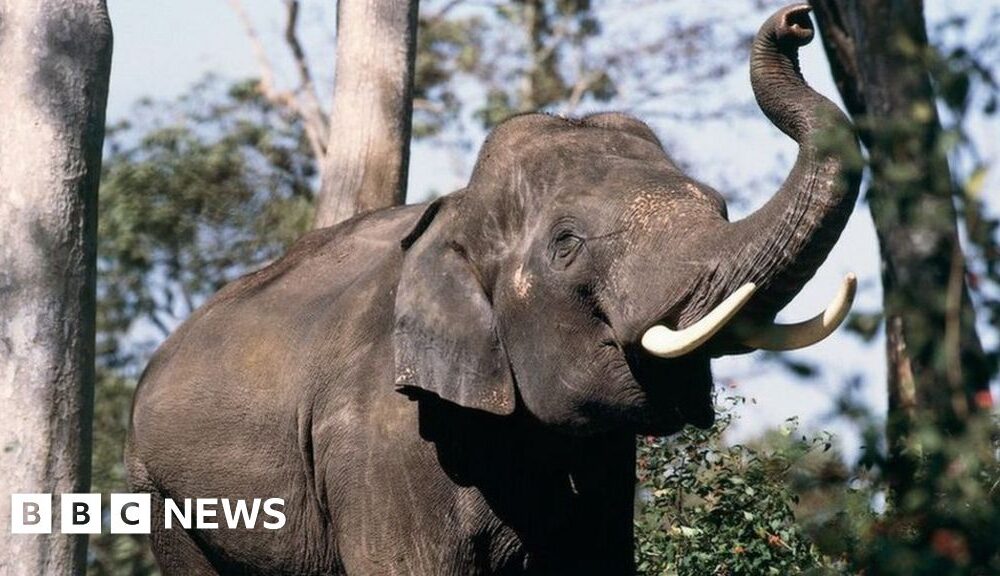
point(132, 513)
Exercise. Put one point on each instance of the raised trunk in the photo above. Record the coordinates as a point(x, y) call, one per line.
point(780, 246)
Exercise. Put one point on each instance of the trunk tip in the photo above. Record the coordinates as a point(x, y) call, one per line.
point(792, 25)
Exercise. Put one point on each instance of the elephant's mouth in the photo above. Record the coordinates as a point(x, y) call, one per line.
point(672, 366)
point(679, 391)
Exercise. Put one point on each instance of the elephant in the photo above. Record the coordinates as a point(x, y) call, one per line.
point(455, 387)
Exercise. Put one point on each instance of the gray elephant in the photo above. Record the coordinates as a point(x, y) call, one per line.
point(455, 388)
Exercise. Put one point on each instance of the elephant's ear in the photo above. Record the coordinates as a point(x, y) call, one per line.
point(445, 333)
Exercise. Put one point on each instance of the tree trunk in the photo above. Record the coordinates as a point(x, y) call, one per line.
point(877, 51)
point(55, 60)
point(367, 156)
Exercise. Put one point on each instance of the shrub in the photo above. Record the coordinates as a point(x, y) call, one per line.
point(706, 508)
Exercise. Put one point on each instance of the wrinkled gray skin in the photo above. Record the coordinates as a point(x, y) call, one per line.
point(454, 388)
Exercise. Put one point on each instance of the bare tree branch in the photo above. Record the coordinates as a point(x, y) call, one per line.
point(444, 10)
point(585, 81)
point(426, 105)
point(267, 85)
point(303, 103)
point(160, 324)
point(307, 99)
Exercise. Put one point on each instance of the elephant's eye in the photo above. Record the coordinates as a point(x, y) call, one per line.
point(565, 247)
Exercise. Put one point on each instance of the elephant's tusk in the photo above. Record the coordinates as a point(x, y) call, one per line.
point(793, 336)
point(666, 343)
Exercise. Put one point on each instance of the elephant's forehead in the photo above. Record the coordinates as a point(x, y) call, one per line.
point(659, 206)
point(648, 208)
point(657, 217)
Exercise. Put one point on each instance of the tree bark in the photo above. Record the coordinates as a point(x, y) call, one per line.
point(55, 59)
point(877, 51)
point(367, 156)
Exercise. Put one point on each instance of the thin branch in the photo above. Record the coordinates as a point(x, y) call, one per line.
point(304, 103)
point(188, 300)
point(291, 37)
point(426, 105)
point(585, 82)
point(448, 7)
point(267, 85)
point(159, 324)
point(560, 31)
point(309, 107)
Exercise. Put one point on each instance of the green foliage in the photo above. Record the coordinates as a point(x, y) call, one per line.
point(192, 195)
point(787, 504)
point(965, 75)
point(947, 521)
point(518, 52)
point(708, 508)
point(941, 473)
point(927, 180)
point(478, 64)
point(447, 47)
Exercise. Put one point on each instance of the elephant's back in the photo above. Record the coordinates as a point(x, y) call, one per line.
point(262, 329)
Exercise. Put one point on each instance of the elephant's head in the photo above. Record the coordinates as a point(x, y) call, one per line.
point(581, 278)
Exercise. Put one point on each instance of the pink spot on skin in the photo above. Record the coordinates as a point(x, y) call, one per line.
point(522, 283)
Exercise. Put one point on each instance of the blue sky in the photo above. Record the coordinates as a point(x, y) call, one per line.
point(162, 47)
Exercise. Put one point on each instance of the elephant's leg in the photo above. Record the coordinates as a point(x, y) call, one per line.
point(176, 552)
